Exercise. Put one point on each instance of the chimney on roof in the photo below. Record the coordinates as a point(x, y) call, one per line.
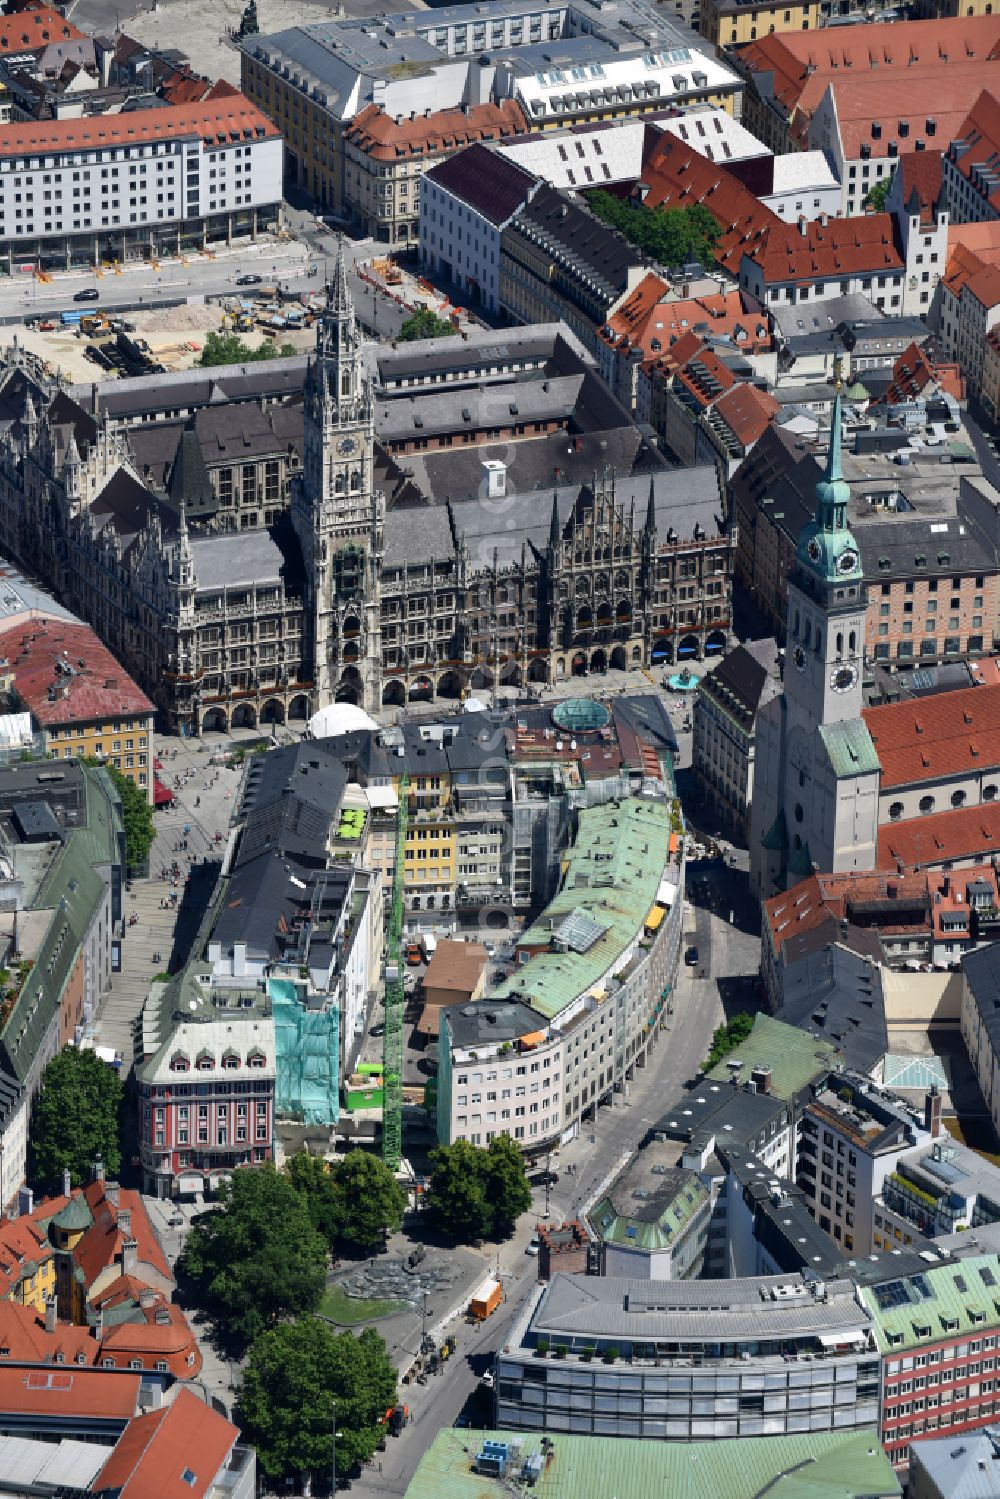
point(99, 1324)
point(130, 1256)
point(50, 1314)
point(125, 1221)
point(97, 1170)
point(761, 1078)
point(147, 1297)
point(932, 1112)
point(111, 1193)
point(67, 1182)
point(803, 225)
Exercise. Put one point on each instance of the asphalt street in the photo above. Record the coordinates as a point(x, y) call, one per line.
point(296, 265)
point(603, 1144)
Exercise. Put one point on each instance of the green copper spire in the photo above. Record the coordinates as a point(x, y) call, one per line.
point(826, 545)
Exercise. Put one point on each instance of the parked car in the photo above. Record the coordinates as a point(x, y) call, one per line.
point(533, 1248)
point(414, 954)
point(89, 294)
point(691, 957)
point(248, 280)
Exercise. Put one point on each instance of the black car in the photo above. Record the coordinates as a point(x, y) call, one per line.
point(691, 957)
point(248, 280)
point(89, 294)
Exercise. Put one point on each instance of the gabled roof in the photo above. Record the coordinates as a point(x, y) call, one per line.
point(936, 737)
point(747, 411)
point(488, 182)
point(946, 837)
point(173, 1453)
point(383, 137)
point(814, 251)
point(65, 674)
point(34, 28)
point(974, 151)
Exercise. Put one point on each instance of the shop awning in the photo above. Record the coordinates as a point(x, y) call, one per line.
point(655, 918)
point(162, 795)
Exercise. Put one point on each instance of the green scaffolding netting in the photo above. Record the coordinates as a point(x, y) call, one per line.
point(307, 1044)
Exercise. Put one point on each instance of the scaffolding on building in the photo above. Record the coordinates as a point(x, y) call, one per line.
point(395, 1001)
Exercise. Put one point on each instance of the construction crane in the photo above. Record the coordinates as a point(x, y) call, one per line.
point(395, 1001)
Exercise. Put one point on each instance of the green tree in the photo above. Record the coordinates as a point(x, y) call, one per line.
point(458, 1204)
point(259, 1259)
point(424, 324)
point(726, 1038)
point(227, 348)
point(505, 1184)
point(75, 1117)
point(352, 1202)
point(877, 194)
point(137, 815)
point(478, 1193)
point(670, 236)
point(294, 1375)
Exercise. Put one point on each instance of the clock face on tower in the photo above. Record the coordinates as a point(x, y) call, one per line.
point(844, 678)
point(799, 657)
point(847, 561)
point(346, 446)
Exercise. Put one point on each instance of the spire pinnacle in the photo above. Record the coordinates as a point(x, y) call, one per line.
point(651, 507)
point(554, 526)
point(338, 297)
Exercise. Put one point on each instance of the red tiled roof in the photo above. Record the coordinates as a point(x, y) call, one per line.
point(747, 411)
point(913, 372)
point(384, 138)
point(677, 177)
point(102, 1243)
point(803, 63)
point(979, 135)
point(31, 30)
point(156, 1450)
point(920, 173)
point(936, 737)
point(821, 896)
point(100, 689)
point(817, 251)
point(705, 376)
point(646, 319)
point(217, 122)
point(22, 1244)
point(162, 1334)
point(914, 97)
point(942, 838)
point(69, 1393)
point(23, 1339)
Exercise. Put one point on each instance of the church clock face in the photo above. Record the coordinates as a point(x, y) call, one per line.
point(346, 446)
point(847, 561)
point(844, 678)
point(799, 657)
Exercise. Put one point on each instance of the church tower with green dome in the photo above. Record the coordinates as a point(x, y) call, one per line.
point(815, 803)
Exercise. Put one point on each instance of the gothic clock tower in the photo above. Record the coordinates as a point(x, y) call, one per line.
point(337, 512)
point(815, 802)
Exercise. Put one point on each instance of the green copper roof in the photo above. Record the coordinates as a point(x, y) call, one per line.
point(826, 545)
point(611, 876)
point(75, 1217)
point(940, 1301)
point(820, 1465)
point(776, 837)
point(850, 748)
point(794, 1057)
point(660, 1233)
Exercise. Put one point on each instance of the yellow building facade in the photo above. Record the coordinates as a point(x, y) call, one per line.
point(729, 24)
point(124, 743)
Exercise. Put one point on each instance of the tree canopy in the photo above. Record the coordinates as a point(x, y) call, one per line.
point(76, 1116)
point(424, 324)
point(877, 194)
point(294, 1375)
point(476, 1193)
point(137, 815)
point(354, 1201)
point(727, 1037)
point(670, 236)
point(227, 348)
point(259, 1259)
